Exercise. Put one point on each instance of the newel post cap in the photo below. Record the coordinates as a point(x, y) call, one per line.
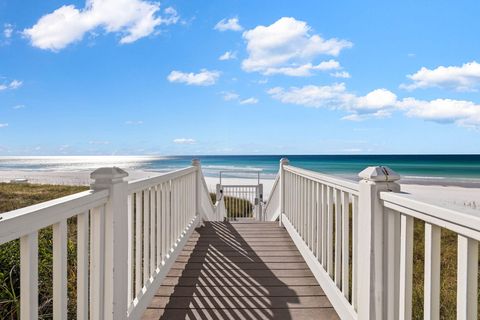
point(284, 161)
point(196, 162)
point(103, 177)
point(379, 174)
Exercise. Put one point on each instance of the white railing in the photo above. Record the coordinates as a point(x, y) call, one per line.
point(316, 213)
point(25, 223)
point(400, 212)
point(128, 237)
point(272, 207)
point(357, 238)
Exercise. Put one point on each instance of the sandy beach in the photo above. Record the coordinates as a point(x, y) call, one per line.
point(465, 198)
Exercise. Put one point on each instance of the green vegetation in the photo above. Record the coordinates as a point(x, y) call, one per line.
point(236, 207)
point(15, 196)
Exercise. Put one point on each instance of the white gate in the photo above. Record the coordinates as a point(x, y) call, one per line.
point(242, 201)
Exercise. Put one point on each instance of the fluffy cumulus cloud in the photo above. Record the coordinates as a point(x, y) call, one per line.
point(203, 78)
point(231, 24)
point(288, 47)
point(12, 85)
point(460, 112)
point(132, 19)
point(459, 78)
point(184, 141)
point(228, 55)
point(379, 103)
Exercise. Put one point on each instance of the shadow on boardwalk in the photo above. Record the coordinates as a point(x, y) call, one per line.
point(240, 271)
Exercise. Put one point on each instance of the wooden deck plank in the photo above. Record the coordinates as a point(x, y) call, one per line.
point(244, 270)
point(261, 314)
point(239, 291)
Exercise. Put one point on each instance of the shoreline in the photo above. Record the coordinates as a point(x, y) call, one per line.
point(456, 195)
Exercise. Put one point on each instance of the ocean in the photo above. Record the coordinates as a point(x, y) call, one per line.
point(440, 169)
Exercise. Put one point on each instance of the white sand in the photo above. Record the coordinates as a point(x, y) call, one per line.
point(460, 198)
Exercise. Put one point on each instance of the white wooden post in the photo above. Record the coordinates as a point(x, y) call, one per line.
point(283, 162)
point(371, 285)
point(198, 187)
point(116, 240)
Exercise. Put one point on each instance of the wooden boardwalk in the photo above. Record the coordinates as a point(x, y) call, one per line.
point(244, 270)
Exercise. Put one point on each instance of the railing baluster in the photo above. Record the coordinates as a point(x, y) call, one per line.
point(330, 231)
point(432, 272)
point(82, 265)
point(131, 243)
point(345, 244)
point(313, 226)
point(60, 297)
point(355, 252)
point(29, 276)
point(318, 213)
point(138, 241)
point(308, 219)
point(406, 267)
point(392, 255)
point(164, 222)
point(97, 262)
point(338, 238)
point(158, 229)
point(146, 236)
point(467, 281)
point(324, 226)
point(152, 231)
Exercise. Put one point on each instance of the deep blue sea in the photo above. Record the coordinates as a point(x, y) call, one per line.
point(439, 168)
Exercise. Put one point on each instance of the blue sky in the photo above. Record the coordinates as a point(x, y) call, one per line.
point(238, 77)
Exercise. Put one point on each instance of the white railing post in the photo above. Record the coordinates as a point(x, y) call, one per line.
point(116, 229)
point(198, 188)
point(283, 162)
point(371, 285)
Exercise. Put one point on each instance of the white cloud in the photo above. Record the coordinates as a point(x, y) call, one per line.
point(19, 106)
point(3, 125)
point(229, 95)
point(184, 141)
point(460, 78)
point(380, 103)
point(203, 78)
point(251, 100)
point(460, 112)
point(229, 55)
point(377, 103)
point(7, 30)
point(14, 84)
point(134, 122)
point(341, 74)
point(132, 19)
point(228, 24)
point(288, 47)
point(303, 70)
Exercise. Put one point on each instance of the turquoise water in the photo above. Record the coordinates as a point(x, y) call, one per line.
point(459, 168)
